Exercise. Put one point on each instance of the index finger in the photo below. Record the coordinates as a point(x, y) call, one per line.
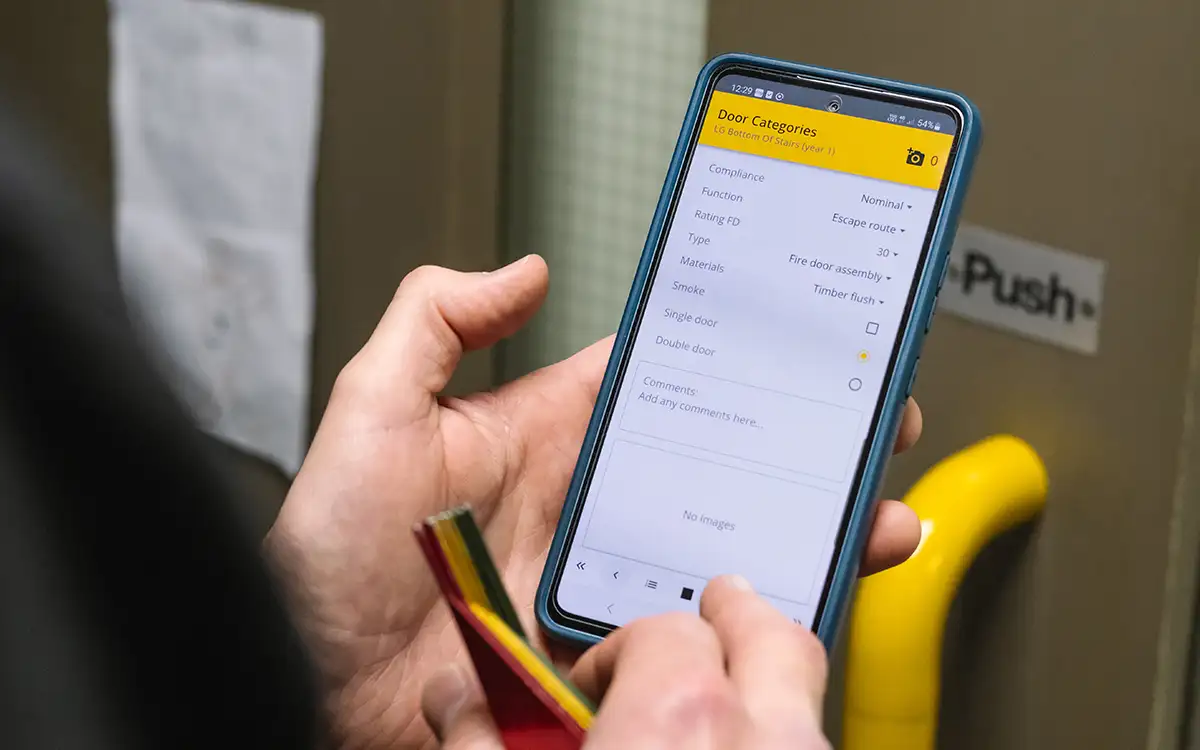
point(663, 685)
point(777, 666)
point(645, 645)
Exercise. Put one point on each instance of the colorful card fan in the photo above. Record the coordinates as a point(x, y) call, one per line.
point(532, 705)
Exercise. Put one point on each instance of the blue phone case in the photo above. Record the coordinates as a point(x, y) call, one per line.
point(846, 560)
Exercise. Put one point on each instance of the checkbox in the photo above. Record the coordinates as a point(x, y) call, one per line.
point(872, 329)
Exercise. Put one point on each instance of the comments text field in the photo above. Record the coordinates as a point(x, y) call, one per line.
point(741, 421)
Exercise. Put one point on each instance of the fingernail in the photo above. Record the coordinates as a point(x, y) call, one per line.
point(738, 582)
point(515, 264)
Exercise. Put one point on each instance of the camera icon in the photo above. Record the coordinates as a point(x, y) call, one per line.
point(915, 157)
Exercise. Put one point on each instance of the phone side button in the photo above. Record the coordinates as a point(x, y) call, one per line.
point(912, 378)
point(932, 312)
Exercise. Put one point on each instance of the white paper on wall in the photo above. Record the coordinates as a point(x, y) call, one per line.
point(215, 111)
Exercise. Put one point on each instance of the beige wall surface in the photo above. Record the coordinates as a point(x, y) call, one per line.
point(409, 159)
point(1090, 144)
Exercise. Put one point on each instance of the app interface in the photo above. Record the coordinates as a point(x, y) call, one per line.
point(761, 354)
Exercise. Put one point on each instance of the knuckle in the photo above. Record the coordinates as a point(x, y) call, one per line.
point(674, 628)
point(350, 380)
point(422, 277)
point(346, 381)
point(695, 702)
point(813, 652)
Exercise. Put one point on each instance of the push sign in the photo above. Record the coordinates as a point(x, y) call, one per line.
point(1030, 289)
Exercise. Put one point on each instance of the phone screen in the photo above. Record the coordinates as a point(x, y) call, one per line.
point(736, 436)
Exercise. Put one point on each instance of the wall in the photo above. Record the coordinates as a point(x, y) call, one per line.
point(1089, 145)
point(598, 91)
point(1065, 636)
point(409, 154)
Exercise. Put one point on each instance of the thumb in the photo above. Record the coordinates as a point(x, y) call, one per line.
point(456, 711)
point(436, 315)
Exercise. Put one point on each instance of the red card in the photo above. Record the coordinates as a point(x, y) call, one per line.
point(526, 716)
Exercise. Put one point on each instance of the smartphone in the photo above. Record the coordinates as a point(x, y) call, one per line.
point(767, 350)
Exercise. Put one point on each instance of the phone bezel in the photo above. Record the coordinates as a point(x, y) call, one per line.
point(767, 71)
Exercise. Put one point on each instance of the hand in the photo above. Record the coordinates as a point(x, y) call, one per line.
point(389, 452)
point(740, 676)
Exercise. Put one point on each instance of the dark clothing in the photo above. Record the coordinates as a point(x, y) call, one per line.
point(135, 609)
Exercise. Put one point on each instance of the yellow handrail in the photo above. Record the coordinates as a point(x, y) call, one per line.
point(898, 618)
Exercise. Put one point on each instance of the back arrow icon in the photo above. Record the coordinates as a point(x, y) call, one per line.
point(610, 609)
point(616, 573)
point(581, 565)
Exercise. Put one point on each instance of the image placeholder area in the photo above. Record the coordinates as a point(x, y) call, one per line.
point(742, 421)
point(707, 519)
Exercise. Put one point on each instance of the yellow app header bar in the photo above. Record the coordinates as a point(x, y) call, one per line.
point(880, 150)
